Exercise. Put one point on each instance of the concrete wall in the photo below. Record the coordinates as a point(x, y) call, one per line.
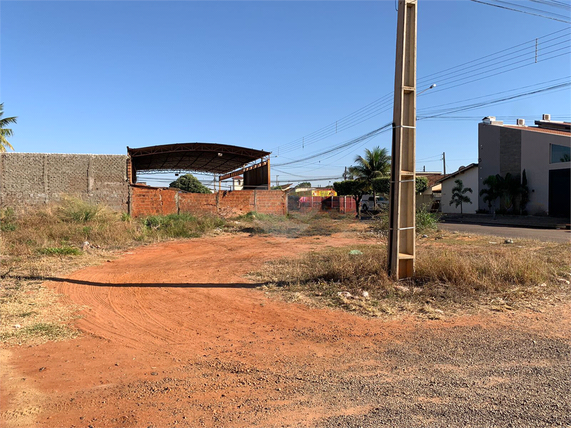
point(510, 151)
point(535, 158)
point(469, 179)
point(153, 200)
point(488, 158)
point(35, 179)
point(502, 150)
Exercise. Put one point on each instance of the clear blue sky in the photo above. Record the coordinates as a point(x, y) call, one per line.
point(95, 77)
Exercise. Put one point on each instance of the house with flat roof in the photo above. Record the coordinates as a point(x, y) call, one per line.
point(543, 151)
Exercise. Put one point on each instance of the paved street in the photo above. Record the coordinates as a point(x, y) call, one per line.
point(510, 232)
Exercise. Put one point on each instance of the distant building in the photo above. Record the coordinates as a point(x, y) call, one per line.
point(430, 198)
point(238, 183)
point(543, 151)
point(469, 176)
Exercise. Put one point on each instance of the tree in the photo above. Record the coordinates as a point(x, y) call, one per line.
point(4, 131)
point(421, 184)
point(355, 188)
point(375, 164)
point(304, 184)
point(492, 193)
point(189, 183)
point(383, 184)
point(459, 195)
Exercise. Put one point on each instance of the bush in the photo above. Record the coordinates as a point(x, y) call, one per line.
point(75, 210)
point(7, 220)
point(425, 221)
point(180, 225)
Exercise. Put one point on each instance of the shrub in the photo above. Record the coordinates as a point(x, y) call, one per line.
point(425, 221)
point(180, 225)
point(7, 220)
point(74, 210)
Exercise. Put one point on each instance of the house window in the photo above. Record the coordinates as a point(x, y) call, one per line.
point(560, 153)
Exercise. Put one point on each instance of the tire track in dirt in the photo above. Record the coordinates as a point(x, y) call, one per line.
point(177, 337)
point(196, 287)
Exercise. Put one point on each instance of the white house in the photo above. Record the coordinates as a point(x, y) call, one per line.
point(469, 176)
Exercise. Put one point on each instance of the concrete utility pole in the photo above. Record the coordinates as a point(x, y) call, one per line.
point(403, 181)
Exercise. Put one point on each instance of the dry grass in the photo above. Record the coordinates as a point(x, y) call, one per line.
point(311, 223)
point(457, 275)
point(50, 242)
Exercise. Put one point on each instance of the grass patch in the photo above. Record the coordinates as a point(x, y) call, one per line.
point(49, 242)
point(39, 333)
point(179, 225)
point(294, 224)
point(449, 277)
point(59, 251)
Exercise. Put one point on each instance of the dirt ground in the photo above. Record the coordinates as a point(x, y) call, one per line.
point(176, 335)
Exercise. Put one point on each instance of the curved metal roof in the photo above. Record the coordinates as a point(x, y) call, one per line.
point(199, 157)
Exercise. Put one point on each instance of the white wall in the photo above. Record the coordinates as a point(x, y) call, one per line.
point(469, 179)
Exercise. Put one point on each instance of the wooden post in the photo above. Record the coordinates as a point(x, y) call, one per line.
point(269, 179)
point(403, 187)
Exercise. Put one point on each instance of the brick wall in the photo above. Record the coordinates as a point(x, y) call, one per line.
point(31, 179)
point(198, 203)
point(153, 200)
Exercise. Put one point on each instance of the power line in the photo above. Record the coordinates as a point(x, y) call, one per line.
point(434, 114)
point(561, 86)
point(384, 103)
point(522, 11)
point(342, 145)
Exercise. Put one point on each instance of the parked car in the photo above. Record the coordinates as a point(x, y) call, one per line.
point(368, 204)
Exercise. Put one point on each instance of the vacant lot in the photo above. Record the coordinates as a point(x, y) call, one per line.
point(183, 334)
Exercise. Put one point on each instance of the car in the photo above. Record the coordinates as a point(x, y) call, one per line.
point(368, 204)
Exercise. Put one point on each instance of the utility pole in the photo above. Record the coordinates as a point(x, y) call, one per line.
point(403, 190)
point(444, 163)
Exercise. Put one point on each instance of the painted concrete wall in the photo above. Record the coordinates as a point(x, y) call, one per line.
point(498, 154)
point(535, 158)
point(488, 158)
point(469, 179)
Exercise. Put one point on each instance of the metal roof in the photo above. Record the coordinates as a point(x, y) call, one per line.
point(198, 157)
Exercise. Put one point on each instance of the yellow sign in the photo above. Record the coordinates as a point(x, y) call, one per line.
point(323, 193)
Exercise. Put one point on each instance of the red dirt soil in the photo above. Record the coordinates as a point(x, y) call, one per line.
point(176, 335)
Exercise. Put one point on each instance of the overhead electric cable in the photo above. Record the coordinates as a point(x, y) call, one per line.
point(384, 103)
point(521, 11)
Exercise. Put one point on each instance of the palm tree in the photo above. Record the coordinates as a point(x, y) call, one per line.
point(493, 192)
point(375, 164)
point(5, 132)
point(459, 195)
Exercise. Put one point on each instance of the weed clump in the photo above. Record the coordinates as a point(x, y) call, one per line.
point(425, 222)
point(456, 275)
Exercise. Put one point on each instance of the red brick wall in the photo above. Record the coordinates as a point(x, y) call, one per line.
point(197, 203)
point(153, 200)
point(271, 202)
